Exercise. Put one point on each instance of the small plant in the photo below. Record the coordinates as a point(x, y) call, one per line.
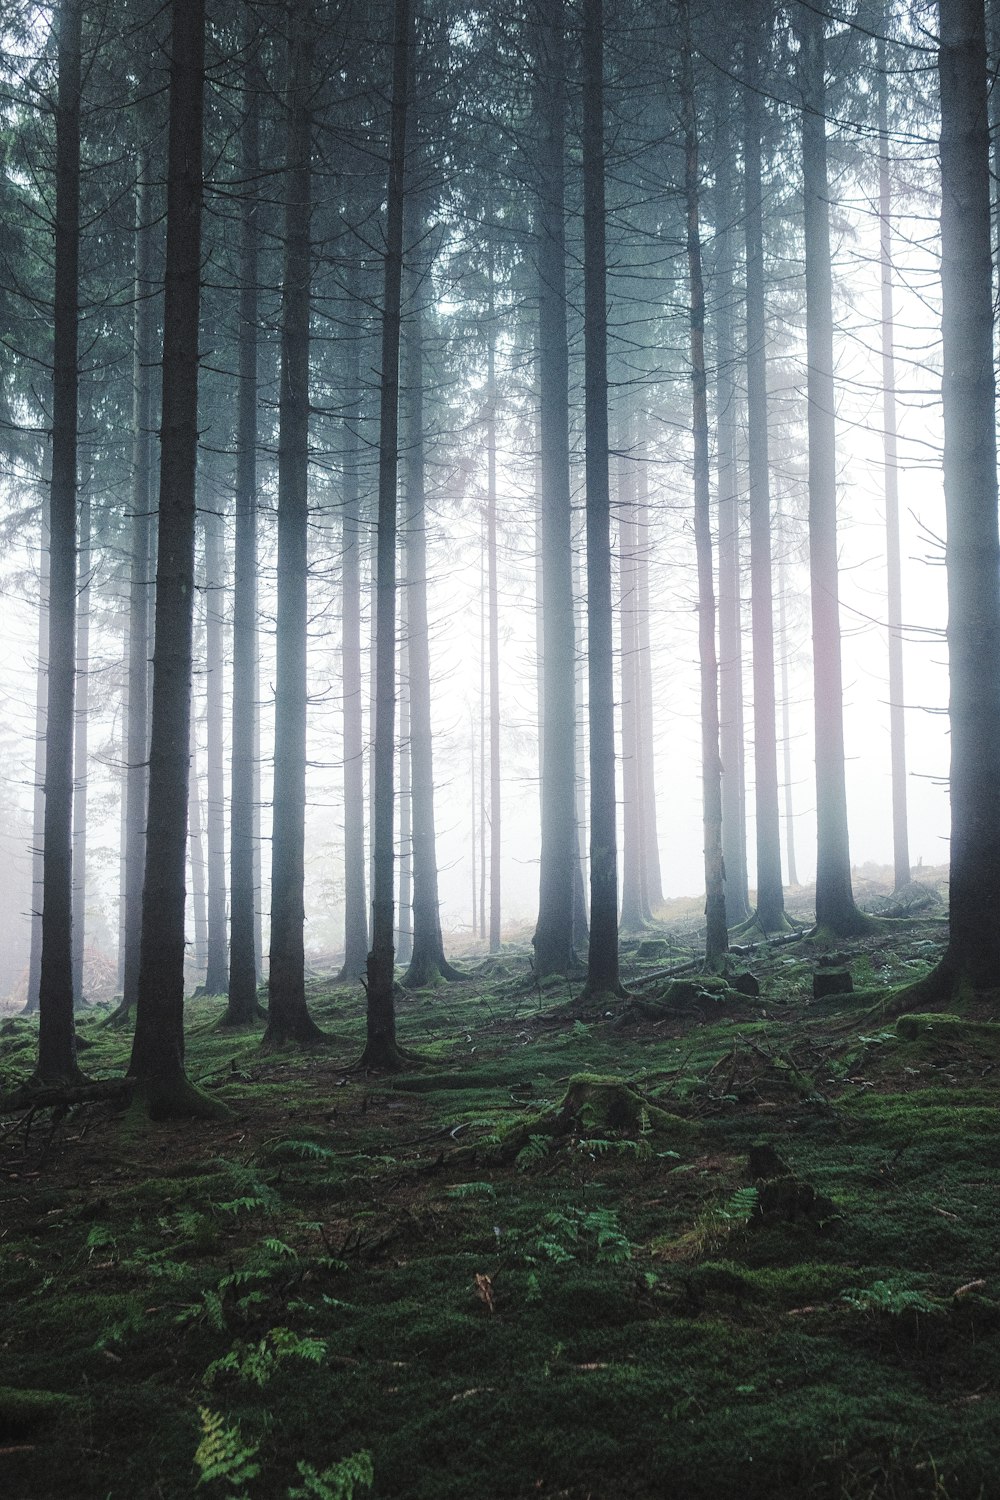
point(222, 1457)
point(472, 1190)
point(536, 1150)
point(256, 1363)
point(890, 1297)
point(338, 1482)
point(588, 1234)
point(719, 1223)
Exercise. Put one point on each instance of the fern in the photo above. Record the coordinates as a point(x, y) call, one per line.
point(256, 1363)
point(222, 1456)
point(889, 1297)
point(249, 1203)
point(209, 1310)
point(279, 1249)
point(338, 1482)
point(303, 1150)
point(472, 1190)
point(535, 1151)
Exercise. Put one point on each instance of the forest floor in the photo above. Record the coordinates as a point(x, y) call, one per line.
point(716, 1244)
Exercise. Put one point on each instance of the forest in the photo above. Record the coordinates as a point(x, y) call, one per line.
point(500, 573)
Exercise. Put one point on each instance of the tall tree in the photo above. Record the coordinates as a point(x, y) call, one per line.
point(716, 936)
point(381, 1049)
point(80, 747)
point(288, 1016)
point(897, 722)
point(56, 1034)
point(140, 539)
point(427, 963)
point(770, 893)
point(734, 842)
point(494, 607)
point(217, 947)
point(355, 912)
point(38, 795)
point(157, 1062)
point(602, 959)
point(243, 1007)
point(836, 912)
point(972, 957)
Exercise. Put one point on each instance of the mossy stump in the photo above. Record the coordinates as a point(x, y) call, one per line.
point(597, 1105)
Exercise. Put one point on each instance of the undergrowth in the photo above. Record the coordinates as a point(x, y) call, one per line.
point(348, 1290)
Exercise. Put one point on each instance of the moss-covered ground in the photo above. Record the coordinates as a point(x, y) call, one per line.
point(753, 1251)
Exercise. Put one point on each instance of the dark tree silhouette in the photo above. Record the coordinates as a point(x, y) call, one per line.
point(381, 1049)
point(553, 939)
point(836, 912)
point(288, 1016)
point(56, 1032)
point(157, 1062)
point(602, 956)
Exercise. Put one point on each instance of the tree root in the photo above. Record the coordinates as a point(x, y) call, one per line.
point(34, 1096)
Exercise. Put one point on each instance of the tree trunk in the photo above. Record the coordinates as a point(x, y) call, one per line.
point(581, 917)
point(970, 481)
point(38, 796)
point(494, 614)
point(770, 893)
point(355, 898)
point(56, 1034)
point(196, 843)
point(217, 960)
point(897, 725)
point(404, 926)
point(243, 1007)
point(602, 959)
point(137, 721)
point(427, 962)
point(157, 1062)
point(633, 907)
point(288, 1017)
point(786, 732)
point(647, 772)
point(734, 836)
point(716, 938)
point(80, 752)
point(381, 1050)
point(836, 912)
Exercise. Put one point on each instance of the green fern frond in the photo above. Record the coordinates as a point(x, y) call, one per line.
point(222, 1456)
point(338, 1482)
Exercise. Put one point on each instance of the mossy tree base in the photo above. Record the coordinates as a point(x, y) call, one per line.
point(594, 1105)
point(175, 1098)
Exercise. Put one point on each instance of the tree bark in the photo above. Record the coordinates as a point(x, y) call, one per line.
point(716, 937)
point(836, 912)
point(196, 854)
point(647, 772)
point(80, 751)
point(602, 959)
point(494, 614)
point(217, 954)
point(381, 1050)
point(38, 795)
point(897, 722)
point(157, 1062)
point(633, 905)
point(734, 837)
point(288, 1016)
point(770, 892)
point(355, 897)
point(243, 1007)
point(427, 962)
point(970, 481)
point(56, 1033)
point(137, 731)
